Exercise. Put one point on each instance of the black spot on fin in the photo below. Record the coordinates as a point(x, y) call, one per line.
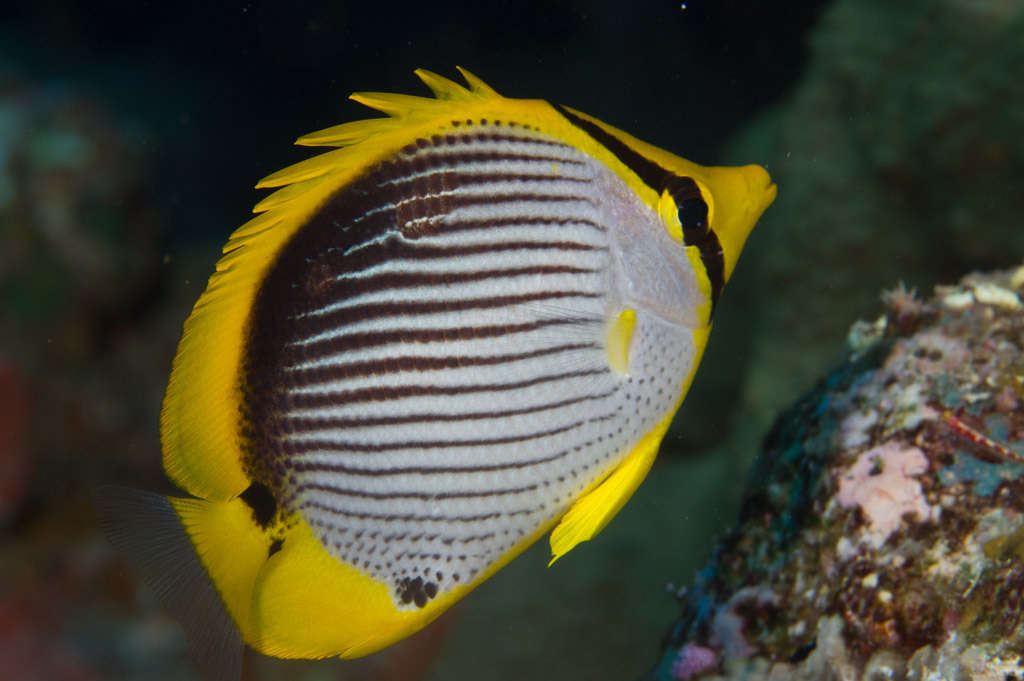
point(262, 502)
point(146, 530)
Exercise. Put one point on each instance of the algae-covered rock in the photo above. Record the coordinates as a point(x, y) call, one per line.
point(882, 535)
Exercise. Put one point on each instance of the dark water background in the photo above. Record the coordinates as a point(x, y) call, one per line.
point(131, 135)
point(224, 88)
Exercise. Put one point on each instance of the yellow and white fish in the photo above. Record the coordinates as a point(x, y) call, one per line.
point(469, 324)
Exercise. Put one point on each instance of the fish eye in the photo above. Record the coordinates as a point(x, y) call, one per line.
point(693, 214)
point(685, 209)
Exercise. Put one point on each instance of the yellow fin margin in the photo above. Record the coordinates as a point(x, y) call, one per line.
point(308, 604)
point(347, 614)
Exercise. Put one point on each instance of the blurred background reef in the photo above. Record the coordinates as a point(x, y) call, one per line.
point(130, 137)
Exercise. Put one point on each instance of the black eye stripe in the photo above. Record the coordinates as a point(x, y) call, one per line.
point(690, 205)
point(693, 216)
point(692, 209)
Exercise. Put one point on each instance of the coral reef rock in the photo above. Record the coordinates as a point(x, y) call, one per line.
point(882, 535)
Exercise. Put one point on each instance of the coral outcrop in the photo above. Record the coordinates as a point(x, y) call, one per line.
point(882, 535)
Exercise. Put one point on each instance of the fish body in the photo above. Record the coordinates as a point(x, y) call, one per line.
point(470, 323)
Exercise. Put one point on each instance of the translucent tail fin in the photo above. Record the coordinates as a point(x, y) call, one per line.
point(146, 530)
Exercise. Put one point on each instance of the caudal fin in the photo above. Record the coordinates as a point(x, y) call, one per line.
point(145, 529)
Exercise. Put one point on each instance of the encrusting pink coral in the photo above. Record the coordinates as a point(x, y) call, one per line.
point(882, 483)
point(693, 660)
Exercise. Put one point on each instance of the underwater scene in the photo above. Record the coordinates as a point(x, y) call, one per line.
point(367, 342)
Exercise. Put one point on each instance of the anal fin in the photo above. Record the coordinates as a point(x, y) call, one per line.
point(591, 512)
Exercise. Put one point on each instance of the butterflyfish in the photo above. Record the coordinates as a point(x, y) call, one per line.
point(468, 324)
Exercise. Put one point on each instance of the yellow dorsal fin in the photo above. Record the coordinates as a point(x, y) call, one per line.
point(447, 89)
point(477, 85)
point(399, 108)
point(344, 134)
point(391, 103)
point(304, 170)
point(287, 193)
point(443, 88)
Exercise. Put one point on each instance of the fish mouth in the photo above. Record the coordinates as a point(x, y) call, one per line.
point(761, 193)
point(759, 183)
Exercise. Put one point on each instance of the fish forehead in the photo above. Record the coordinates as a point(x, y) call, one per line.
point(425, 382)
